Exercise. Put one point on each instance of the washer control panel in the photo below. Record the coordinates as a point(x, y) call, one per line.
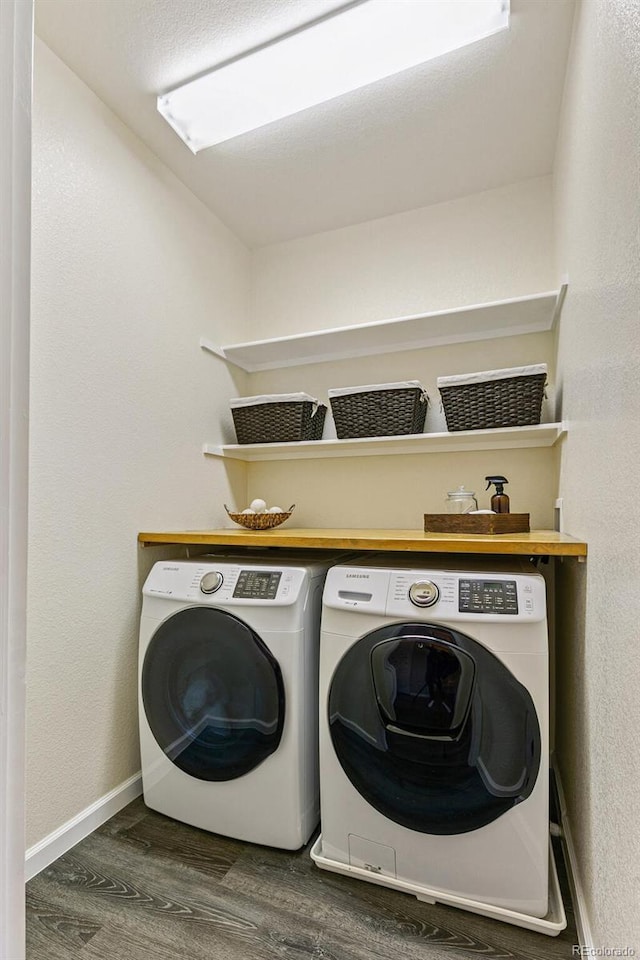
point(488, 596)
point(444, 595)
point(423, 593)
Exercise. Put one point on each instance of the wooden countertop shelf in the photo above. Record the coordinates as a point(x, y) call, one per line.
point(534, 543)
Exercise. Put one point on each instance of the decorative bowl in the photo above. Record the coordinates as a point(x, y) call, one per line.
point(260, 521)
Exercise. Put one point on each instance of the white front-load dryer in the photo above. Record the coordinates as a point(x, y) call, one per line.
point(434, 731)
point(228, 703)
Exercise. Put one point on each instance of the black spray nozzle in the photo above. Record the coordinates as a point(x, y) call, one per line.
point(499, 482)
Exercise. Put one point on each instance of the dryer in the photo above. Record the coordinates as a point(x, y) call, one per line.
point(228, 704)
point(434, 732)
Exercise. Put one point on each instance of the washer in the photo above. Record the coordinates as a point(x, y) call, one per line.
point(434, 731)
point(228, 693)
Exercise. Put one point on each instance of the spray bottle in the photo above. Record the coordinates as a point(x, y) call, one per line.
point(499, 501)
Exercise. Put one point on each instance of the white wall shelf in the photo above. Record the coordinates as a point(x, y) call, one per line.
point(508, 438)
point(484, 321)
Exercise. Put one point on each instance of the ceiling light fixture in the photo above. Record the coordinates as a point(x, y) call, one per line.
point(356, 46)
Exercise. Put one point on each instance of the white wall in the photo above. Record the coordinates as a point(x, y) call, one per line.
point(598, 242)
point(487, 246)
point(482, 247)
point(129, 270)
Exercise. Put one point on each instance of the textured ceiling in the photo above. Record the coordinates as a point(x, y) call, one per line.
point(472, 120)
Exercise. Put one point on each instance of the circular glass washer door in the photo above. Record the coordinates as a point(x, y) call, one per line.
point(432, 729)
point(213, 694)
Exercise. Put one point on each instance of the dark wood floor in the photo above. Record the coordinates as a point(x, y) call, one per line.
point(144, 887)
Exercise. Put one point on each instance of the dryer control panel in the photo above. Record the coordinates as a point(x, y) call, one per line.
point(222, 582)
point(257, 584)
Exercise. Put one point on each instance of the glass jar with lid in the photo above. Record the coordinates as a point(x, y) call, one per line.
point(461, 501)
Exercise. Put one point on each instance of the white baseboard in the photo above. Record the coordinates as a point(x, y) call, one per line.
point(583, 925)
point(73, 831)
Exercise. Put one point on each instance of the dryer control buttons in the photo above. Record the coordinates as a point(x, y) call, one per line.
point(211, 582)
point(423, 593)
point(258, 585)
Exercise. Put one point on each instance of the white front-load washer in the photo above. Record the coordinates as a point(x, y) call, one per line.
point(228, 702)
point(434, 731)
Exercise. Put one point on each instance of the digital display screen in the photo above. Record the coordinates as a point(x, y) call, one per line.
point(487, 596)
point(257, 585)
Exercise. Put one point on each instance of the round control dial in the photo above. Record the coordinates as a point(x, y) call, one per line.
point(423, 593)
point(211, 582)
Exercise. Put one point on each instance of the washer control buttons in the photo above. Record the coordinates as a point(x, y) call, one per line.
point(211, 582)
point(489, 596)
point(423, 593)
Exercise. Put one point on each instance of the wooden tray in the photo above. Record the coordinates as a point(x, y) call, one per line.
point(483, 523)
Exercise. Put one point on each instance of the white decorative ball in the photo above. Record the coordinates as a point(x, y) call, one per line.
point(275, 510)
point(258, 506)
point(248, 510)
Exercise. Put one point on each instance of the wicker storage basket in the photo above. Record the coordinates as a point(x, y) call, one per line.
point(494, 398)
point(278, 418)
point(379, 410)
point(260, 521)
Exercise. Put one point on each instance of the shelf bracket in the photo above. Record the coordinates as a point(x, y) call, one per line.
point(213, 449)
point(218, 352)
point(562, 292)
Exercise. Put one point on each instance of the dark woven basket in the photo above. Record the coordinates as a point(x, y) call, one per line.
point(379, 413)
point(512, 402)
point(279, 422)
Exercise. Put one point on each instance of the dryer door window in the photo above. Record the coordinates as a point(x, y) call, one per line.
point(432, 729)
point(213, 694)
